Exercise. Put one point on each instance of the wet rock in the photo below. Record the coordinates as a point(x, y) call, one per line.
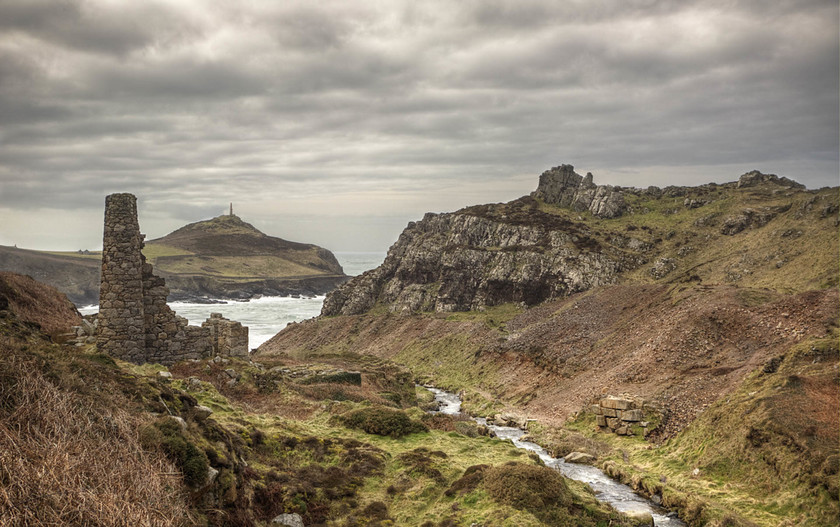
point(579, 457)
point(644, 518)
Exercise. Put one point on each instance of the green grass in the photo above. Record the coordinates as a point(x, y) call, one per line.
point(234, 266)
point(763, 453)
point(153, 251)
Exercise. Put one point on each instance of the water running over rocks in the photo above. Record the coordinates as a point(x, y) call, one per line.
point(619, 496)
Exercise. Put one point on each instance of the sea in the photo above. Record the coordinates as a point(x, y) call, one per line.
point(267, 315)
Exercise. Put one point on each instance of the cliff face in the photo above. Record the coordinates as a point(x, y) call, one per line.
point(484, 256)
point(571, 235)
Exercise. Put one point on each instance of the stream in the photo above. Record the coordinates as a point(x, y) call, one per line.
point(607, 490)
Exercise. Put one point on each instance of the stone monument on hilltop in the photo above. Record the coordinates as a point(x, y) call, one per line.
point(135, 323)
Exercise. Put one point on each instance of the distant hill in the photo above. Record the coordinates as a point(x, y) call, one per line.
point(74, 274)
point(223, 257)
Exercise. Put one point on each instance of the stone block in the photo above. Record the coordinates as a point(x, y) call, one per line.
point(616, 402)
point(631, 415)
point(623, 431)
point(601, 420)
point(613, 422)
point(596, 409)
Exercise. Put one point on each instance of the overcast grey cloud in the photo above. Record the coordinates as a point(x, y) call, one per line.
point(338, 122)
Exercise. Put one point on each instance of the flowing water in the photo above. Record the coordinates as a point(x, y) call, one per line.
point(267, 315)
point(607, 490)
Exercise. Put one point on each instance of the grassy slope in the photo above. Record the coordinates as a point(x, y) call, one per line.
point(85, 439)
point(718, 340)
point(226, 246)
point(764, 455)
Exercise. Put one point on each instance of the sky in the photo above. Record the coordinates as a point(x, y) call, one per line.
point(337, 122)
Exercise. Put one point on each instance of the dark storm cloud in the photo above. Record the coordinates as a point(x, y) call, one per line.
point(365, 109)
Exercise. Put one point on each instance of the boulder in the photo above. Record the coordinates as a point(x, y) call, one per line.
point(211, 476)
point(643, 517)
point(289, 520)
point(579, 457)
point(201, 412)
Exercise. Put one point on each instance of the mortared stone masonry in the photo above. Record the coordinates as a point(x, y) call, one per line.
point(135, 324)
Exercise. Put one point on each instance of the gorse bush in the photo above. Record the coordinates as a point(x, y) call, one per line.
point(382, 421)
point(528, 487)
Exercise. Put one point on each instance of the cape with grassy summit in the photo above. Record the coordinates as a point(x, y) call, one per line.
point(220, 258)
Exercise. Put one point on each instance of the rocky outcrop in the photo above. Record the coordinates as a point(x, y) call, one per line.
point(755, 178)
point(484, 256)
point(135, 323)
point(563, 187)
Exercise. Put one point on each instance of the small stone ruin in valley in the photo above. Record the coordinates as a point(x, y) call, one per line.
point(623, 415)
point(134, 323)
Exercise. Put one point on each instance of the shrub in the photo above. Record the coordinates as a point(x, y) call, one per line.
point(382, 421)
point(528, 487)
point(192, 462)
point(420, 462)
point(472, 478)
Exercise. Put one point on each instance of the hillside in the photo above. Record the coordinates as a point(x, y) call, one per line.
point(706, 302)
point(226, 257)
point(223, 257)
point(89, 440)
point(76, 275)
point(758, 232)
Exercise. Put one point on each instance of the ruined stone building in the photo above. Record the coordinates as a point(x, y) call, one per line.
point(135, 323)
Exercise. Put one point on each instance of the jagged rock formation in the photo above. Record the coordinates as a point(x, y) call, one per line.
point(483, 256)
point(562, 186)
point(754, 178)
point(525, 251)
point(134, 322)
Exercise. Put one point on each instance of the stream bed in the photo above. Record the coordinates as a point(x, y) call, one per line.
point(619, 496)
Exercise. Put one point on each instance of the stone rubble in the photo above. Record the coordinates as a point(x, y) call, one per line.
point(621, 414)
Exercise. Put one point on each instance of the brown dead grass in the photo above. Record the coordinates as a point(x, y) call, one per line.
point(37, 303)
point(67, 459)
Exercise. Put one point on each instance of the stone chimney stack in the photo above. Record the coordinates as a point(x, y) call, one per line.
point(121, 325)
point(135, 323)
point(231, 208)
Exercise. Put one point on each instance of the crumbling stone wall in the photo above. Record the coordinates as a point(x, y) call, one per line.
point(226, 336)
point(135, 323)
point(626, 415)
